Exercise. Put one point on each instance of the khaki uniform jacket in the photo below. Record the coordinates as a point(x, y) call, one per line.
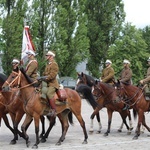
point(108, 75)
point(147, 79)
point(51, 72)
point(126, 75)
point(31, 69)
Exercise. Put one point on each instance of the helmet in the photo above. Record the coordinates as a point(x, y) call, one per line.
point(30, 52)
point(15, 61)
point(50, 53)
point(148, 59)
point(126, 61)
point(108, 62)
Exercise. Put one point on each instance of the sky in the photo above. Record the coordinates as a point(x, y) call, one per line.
point(137, 12)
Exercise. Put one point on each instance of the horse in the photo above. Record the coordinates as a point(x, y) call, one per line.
point(34, 107)
point(10, 103)
point(3, 110)
point(134, 97)
point(89, 80)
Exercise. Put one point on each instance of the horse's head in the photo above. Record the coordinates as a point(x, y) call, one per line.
point(120, 91)
point(96, 89)
point(12, 81)
point(105, 91)
point(85, 79)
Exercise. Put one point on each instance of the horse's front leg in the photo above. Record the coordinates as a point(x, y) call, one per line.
point(51, 124)
point(109, 112)
point(27, 121)
point(36, 123)
point(64, 122)
point(140, 121)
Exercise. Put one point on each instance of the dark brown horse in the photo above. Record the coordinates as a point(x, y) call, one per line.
point(107, 97)
point(89, 80)
point(34, 108)
point(134, 97)
point(3, 110)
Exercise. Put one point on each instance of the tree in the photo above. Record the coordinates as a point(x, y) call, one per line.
point(71, 43)
point(130, 45)
point(12, 28)
point(104, 24)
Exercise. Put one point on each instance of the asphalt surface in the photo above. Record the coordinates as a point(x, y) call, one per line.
point(75, 137)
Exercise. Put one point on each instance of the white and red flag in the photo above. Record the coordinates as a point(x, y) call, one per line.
point(26, 44)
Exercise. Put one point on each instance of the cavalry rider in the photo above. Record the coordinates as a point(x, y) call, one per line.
point(147, 79)
point(126, 73)
point(51, 71)
point(108, 73)
point(126, 76)
point(32, 66)
point(15, 64)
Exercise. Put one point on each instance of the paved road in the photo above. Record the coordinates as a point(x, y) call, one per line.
point(74, 137)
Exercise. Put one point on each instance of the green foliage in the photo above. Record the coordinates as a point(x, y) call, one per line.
point(12, 34)
point(130, 45)
point(104, 24)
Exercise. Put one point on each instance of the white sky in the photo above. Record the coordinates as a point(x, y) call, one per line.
point(137, 12)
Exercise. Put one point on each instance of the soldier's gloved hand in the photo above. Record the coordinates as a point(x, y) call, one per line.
point(43, 78)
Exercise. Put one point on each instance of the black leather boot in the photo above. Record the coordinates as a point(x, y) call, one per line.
point(52, 111)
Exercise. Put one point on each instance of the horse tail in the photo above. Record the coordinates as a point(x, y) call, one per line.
point(134, 114)
point(70, 118)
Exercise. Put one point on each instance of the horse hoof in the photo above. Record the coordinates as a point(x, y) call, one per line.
point(84, 142)
point(119, 130)
point(105, 134)
point(43, 140)
point(28, 143)
point(34, 146)
point(98, 132)
point(135, 138)
point(58, 143)
point(131, 129)
point(13, 142)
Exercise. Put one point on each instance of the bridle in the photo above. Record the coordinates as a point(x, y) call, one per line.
point(18, 79)
point(123, 97)
point(99, 95)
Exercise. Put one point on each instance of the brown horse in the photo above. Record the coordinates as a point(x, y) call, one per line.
point(107, 97)
point(134, 97)
point(11, 103)
point(3, 110)
point(34, 108)
point(90, 81)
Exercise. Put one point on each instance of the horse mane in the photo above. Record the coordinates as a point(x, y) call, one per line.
point(29, 80)
point(90, 80)
point(85, 90)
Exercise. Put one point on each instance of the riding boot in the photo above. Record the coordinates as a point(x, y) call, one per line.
point(125, 107)
point(52, 111)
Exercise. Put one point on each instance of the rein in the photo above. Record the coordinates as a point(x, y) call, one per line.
point(105, 97)
point(19, 80)
point(129, 99)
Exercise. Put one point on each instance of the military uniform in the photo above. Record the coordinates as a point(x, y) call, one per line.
point(51, 72)
point(146, 81)
point(108, 75)
point(31, 69)
point(126, 75)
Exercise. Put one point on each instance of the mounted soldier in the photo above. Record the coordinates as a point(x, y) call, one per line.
point(146, 81)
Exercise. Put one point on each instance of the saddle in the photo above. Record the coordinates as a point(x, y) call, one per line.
point(60, 95)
